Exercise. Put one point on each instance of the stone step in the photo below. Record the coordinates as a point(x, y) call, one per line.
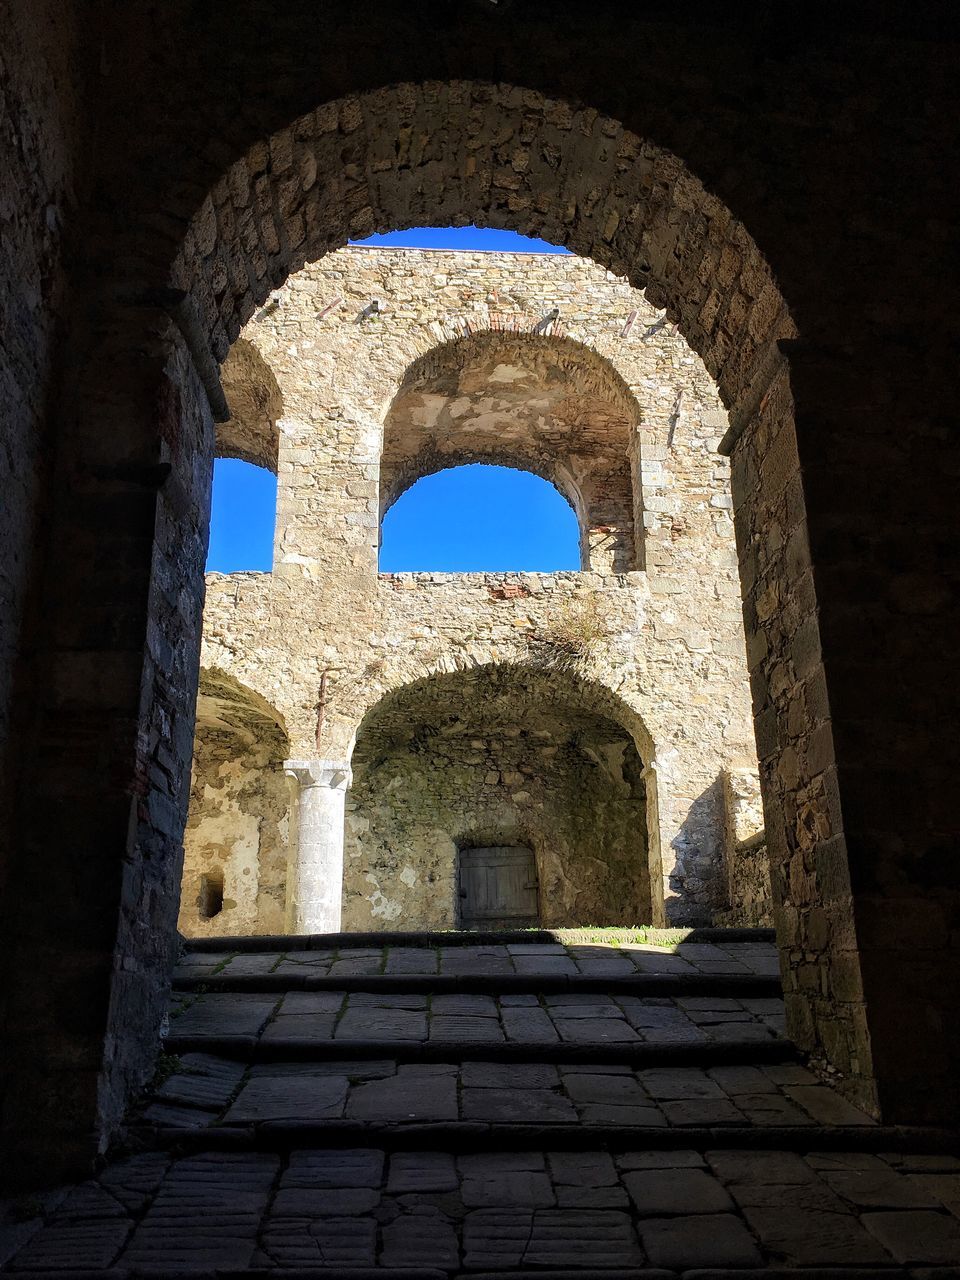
point(279, 962)
point(449, 938)
point(248, 1049)
point(481, 1095)
point(568, 1025)
point(662, 984)
point(333, 1135)
point(463, 1110)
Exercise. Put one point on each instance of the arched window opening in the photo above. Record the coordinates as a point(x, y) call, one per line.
point(210, 898)
point(532, 400)
point(480, 518)
point(244, 504)
point(242, 517)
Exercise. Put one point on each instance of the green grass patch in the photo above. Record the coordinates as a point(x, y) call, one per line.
point(168, 1064)
point(619, 935)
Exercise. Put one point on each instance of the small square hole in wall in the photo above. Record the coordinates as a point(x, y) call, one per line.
point(210, 901)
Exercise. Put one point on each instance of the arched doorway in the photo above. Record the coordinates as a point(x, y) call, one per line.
point(704, 266)
point(501, 758)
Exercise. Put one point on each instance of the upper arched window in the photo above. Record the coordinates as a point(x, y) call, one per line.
point(243, 513)
point(243, 509)
point(540, 403)
point(478, 518)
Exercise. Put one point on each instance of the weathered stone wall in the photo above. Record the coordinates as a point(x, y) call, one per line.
point(41, 73)
point(238, 835)
point(746, 858)
point(494, 756)
point(610, 379)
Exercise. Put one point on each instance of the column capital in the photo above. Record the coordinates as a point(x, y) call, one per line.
point(335, 774)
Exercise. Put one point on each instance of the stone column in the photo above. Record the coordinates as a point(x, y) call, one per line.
point(323, 791)
point(658, 916)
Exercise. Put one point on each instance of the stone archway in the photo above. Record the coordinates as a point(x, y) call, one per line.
point(502, 754)
point(504, 156)
point(532, 164)
point(237, 845)
point(252, 432)
point(500, 155)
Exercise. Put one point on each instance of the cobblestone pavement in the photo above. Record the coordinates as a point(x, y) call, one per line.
point(439, 1132)
point(493, 1211)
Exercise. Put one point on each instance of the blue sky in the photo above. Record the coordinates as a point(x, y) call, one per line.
point(462, 238)
point(478, 517)
point(463, 520)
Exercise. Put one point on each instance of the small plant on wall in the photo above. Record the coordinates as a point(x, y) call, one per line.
point(573, 632)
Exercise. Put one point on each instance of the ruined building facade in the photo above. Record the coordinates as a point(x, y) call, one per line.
point(369, 728)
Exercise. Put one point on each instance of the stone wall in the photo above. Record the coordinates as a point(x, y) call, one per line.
point(238, 840)
point(746, 858)
point(448, 369)
point(41, 113)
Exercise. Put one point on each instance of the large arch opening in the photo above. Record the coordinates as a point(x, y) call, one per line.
point(500, 758)
point(246, 459)
point(255, 404)
point(504, 156)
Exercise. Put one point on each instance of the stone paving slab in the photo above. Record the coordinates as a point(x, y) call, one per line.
point(687, 1212)
point(391, 1092)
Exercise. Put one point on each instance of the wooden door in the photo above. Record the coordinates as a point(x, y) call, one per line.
point(498, 888)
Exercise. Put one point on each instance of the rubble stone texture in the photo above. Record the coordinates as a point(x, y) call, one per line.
point(474, 720)
point(38, 176)
point(240, 815)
